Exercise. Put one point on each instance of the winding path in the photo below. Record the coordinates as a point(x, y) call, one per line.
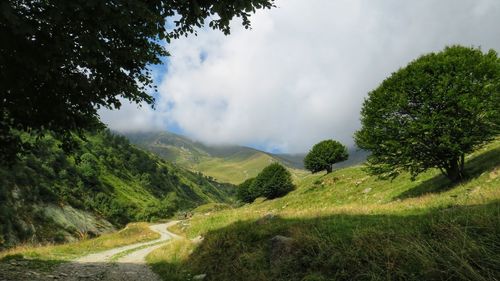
point(130, 266)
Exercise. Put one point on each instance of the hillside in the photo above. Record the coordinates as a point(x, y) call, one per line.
point(49, 195)
point(231, 164)
point(348, 225)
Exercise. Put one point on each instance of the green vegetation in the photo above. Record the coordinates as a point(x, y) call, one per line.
point(59, 67)
point(324, 154)
point(244, 194)
point(211, 207)
point(169, 259)
point(432, 112)
point(48, 256)
point(232, 164)
point(273, 182)
point(349, 225)
point(105, 177)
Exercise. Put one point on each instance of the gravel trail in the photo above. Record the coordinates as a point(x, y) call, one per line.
point(131, 264)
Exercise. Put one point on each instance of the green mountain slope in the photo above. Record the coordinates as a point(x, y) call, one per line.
point(232, 164)
point(348, 225)
point(106, 182)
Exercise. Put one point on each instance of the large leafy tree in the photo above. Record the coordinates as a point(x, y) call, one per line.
point(432, 112)
point(60, 61)
point(324, 154)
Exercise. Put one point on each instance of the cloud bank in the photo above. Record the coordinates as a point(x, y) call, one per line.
point(301, 74)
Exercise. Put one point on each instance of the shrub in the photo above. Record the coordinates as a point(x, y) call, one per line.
point(274, 181)
point(244, 194)
point(324, 154)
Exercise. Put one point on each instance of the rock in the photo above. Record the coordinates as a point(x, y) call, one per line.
point(197, 239)
point(266, 218)
point(63, 274)
point(280, 246)
point(366, 190)
point(199, 277)
point(269, 216)
point(494, 174)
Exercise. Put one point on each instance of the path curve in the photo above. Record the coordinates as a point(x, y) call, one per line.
point(132, 266)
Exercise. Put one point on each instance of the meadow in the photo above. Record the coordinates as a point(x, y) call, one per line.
point(348, 225)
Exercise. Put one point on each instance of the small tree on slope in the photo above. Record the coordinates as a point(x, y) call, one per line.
point(244, 193)
point(432, 112)
point(274, 181)
point(324, 154)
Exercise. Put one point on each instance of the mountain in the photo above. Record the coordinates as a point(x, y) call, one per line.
point(232, 164)
point(50, 195)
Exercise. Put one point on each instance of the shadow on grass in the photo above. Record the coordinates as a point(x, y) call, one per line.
point(473, 169)
point(459, 243)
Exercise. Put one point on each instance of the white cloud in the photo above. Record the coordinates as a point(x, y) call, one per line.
point(133, 118)
point(301, 74)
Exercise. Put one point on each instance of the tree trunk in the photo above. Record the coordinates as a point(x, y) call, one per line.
point(328, 169)
point(455, 169)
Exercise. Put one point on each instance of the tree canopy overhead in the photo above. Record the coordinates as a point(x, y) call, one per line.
point(60, 61)
point(432, 112)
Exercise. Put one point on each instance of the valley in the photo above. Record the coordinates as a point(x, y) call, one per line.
point(231, 164)
point(50, 196)
point(327, 226)
point(249, 140)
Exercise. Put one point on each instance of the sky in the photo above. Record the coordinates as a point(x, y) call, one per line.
point(300, 75)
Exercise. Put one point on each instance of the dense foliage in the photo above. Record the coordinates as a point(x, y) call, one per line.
point(106, 176)
point(432, 112)
point(60, 61)
point(324, 154)
point(244, 194)
point(273, 182)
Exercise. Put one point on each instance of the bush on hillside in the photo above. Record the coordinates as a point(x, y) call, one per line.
point(324, 154)
point(244, 194)
point(273, 182)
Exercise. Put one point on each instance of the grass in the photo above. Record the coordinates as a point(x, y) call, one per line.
point(230, 164)
point(56, 254)
point(169, 259)
point(237, 170)
point(351, 226)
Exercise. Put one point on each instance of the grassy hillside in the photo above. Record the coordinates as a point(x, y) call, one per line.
point(351, 226)
point(49, 195)
point(232, 164)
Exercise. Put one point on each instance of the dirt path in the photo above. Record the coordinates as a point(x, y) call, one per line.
point(123, 263)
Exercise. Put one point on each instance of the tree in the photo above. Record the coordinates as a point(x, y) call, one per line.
point(243, 193)
point(324, 154)
point(274, 181)
point(89, 168)
point(432, 112)
point(60, 61)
